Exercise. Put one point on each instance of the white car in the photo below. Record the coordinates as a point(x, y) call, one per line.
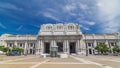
point(1, 52)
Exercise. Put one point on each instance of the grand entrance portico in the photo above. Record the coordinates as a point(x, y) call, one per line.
point(65, 44)
point(66, 37)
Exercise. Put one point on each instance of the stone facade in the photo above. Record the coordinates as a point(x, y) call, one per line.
point(68, 38)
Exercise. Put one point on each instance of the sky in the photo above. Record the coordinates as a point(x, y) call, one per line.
point(26, 16)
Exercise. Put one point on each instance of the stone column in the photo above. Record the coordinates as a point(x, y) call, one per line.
point(67, 46)
point(12, 44)
point(110, 44)
point(64, 46)
point(41, 47)
point(51, 43)
point(106, 42)
point(87, 49)
point(118, 42)
point(25, 49)
point(82, 46)
point(78, 47)
point(118, 39)
point(16, 44)
point(38, 47)
point(4, 43)
point(95, 43)
point(54, 43)
point(92, 48)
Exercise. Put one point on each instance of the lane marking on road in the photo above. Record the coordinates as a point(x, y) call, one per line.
point(17, 59)
point(86, 61)
point(45, 63)
point(114, 60)
point(106, 59)
point(21, 63)
point(36, 65)
point(79, 59)
point(65, 63)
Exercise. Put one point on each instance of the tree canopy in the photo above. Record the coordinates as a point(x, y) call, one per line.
point(6, 49)
point(102, 48)
point(116, 49)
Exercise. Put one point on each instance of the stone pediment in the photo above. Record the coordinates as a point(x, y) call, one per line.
point(60, 29)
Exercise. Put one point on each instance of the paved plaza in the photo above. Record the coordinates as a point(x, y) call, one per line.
point(73, 61)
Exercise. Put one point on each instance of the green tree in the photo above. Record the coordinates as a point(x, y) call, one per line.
point(116, 49)
point(1, 48)
point(15, 49)
point(9, 49)
point(105, 49)
point(98, 48)
point(102, 48)
point(4, 49)
point(20, 50)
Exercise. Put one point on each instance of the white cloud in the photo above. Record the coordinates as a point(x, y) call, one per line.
point(37, 26)
point(52, 10)
point(69, 7)
point(72, 6)
point(108, 12)
point(2, 26)
point(20, 27)
point(91, 23)
point(50, 15)
point(83, 6)
point(72, 11)
point(86, 28)
point(9, 6)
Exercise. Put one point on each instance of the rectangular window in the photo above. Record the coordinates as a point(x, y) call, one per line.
point(20, 44)
point(89, 44)
point(10, 45)
point(31, 44)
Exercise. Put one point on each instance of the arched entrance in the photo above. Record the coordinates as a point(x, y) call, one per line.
point(60, 46)
point(72, 47)
point(46, 47)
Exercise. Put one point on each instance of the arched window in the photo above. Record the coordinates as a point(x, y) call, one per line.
point(59, 27)
point(49, 27)
point(70, 27)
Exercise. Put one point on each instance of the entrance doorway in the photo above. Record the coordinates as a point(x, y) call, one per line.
point(47, 47)
point(31, 51)
point(60, 46)
point(72, 47)
point(90, 51)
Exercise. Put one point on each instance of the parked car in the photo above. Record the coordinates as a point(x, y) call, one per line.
point(1, 52)
point(13, 53)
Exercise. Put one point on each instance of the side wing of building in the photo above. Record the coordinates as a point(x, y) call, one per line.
point(92, 40)
point(27, 42)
